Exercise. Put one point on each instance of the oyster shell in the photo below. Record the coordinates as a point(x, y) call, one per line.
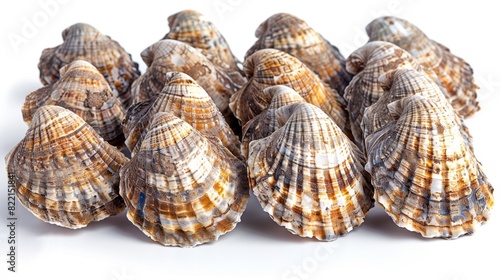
point(182, 189)
point(294, 36)
point(185, 99)
point(455, 74)
point(83, 90)
point(309, 176)
point(65, 174)
point(425, 175)
point(85, 42)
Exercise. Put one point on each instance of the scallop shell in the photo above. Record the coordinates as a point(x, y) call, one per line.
point(309, 176)
point(83, 41)
point(193, 28)
point(65, 174)
point(174, 56)
point(424, 174)
point(455, 74)
point(270, 67)
point(185, 99)
point(294, 36)
point(83, 90)
point(182, 189)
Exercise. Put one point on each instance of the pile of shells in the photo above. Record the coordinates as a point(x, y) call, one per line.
point(316, 137)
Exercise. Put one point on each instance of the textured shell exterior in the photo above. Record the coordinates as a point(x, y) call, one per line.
point(294, 36)
point(83, 41)
point(65, 174)
point(83, 90)
point(181, 189)
point(309, 176)
point(269, 67)
point(185, 99)
point(425, 175)
point(174, 56)
point(193, 28)
point(455, 74)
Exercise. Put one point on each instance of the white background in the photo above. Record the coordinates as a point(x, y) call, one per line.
point(114, 249)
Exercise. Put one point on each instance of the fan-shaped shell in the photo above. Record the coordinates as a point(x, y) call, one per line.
point(185, 99)
point(83, 90)
point(425, 175)
point(455, 74)
point(309, 176)
point(65, 174)
point(83, 41)
point(182, 189)
point(294, 36)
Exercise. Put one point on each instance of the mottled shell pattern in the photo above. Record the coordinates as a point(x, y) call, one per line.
point(193, 28)
point(83, 41)
point(65, 174)
point(185, 99)
point(455, 74)
point(181, 189)
point(269, 67)
point(83, 90)
point(175, 56)
point(309, 176)
point(294, 36)
point(425, 175)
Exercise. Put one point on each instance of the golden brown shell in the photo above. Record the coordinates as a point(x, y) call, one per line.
point(65, 174)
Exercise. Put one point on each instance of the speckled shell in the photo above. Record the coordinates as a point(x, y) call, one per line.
point(193, 28)
point(309, 176)
point(424, 174)
point(175, 56)
point(185, 99)
point(270, 67)
point(182, 189)
point(294, 36)
point(83, 41)
point(455, 74)
point(83, 90)
point(65, 174)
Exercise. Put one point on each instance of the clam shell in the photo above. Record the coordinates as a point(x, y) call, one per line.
point(181, 189)
point(83, 90)
point(85, 42)
point(185, 99)
point(455, 74)
point(308, 176)
point(425, 175)
point(294, 36)
point(65, 174)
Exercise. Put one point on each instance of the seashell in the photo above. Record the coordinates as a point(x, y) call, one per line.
point(83, 90)
point(270, 67)
point(181, 189)
point(294, 36)
point(455, 74)
point(308, 176)
point(175, 56)
point(83, 41)
point(425, 175)
point(65, 174)
point(185, 99)
point(193, 28)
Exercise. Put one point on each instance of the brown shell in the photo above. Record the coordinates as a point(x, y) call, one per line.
point(269, 67)
point(182, 189)
point(425, 175)
point(64, 173)
point(83, 41)
point(185, 99)
point(83, 90)
point(309, 176)
point(294, 36)
point(455, 74)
